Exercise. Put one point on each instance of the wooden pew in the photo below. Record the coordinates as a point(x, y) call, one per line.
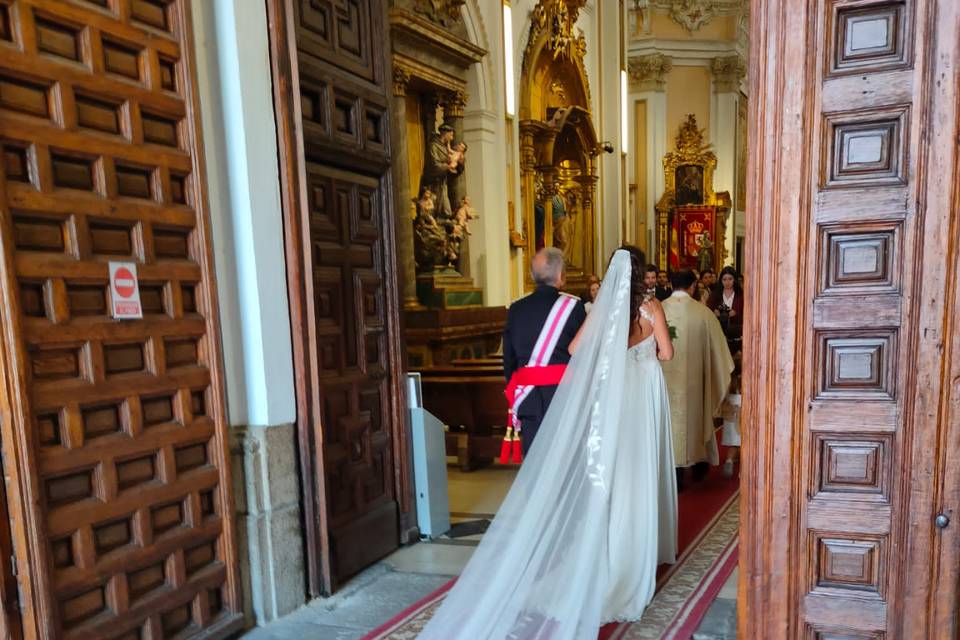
point(468, 397)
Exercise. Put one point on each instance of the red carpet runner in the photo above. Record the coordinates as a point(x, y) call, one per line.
point(708, 554)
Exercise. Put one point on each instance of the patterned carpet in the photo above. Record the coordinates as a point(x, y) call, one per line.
point(709, 523)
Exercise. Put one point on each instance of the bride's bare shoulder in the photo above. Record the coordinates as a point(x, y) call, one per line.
point(653, 305)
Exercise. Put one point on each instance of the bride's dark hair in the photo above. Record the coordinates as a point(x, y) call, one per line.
point(638, 290)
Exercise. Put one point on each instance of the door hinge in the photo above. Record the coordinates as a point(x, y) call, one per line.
point(14, 601)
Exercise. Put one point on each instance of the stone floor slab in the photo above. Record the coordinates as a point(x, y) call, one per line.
point(720, 623)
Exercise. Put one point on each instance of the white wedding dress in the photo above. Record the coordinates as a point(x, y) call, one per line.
point(643, 500)
point(593, 509)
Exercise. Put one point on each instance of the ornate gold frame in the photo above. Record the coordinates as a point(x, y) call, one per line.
point(690, 150)
point(555, 94)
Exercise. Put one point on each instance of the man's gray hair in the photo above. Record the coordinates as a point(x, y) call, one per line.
point(547, 266)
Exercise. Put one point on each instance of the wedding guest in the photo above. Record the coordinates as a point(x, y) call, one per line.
point(590, 295)
point(526, 323)
point(663, 281)
point(730, 411)
point(726, 302)
point(707, 279)
point(650, 282)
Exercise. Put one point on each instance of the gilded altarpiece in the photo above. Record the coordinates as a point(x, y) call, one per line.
point(558, 141)
point(691, 218)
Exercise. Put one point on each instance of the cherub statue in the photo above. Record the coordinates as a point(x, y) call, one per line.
point(430, 237)
point(426, 204)
point(456, 155)
point(461, 219)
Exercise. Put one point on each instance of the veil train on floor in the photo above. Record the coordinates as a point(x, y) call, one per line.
point(541, 569)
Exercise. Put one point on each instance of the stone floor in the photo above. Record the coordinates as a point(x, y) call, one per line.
point(379, 593)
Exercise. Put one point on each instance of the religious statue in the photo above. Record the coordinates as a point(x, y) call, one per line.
point(438, 240)
point(444, 159)
point(430, 245)
point(465, 213)
point(560, 219)
point(705, 255)
point(558, 216)
point(439, 231)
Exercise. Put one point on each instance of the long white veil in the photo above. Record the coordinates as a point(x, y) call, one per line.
point(541, 570)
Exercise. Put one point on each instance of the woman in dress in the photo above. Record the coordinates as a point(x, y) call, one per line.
point(593, 509)
point(726, 301)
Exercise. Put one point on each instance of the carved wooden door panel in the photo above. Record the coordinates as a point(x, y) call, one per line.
point(852, 309)
point(114, 432)
point(331, 95)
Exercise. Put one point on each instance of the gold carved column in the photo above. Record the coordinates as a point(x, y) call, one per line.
point(528, 181)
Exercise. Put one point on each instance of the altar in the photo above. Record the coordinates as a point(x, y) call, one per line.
point(691, 218)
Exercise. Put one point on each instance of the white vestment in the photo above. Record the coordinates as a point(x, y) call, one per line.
point(698, 378)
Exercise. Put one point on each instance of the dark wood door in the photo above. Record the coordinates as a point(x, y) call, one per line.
point(331, 82)
point(114, 433)
point(852, 353)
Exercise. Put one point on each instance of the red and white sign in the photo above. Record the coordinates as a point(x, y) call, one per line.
point(125, 291)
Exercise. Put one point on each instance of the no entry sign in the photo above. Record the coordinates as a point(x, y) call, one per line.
point(125, 291)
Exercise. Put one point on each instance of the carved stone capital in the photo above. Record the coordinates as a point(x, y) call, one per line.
point(401, 76)
point(649, 73)
point(454, 104)
point(727, 73)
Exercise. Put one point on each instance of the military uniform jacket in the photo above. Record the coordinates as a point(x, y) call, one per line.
point(525, 319)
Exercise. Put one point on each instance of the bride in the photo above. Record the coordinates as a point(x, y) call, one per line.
point(593, 509)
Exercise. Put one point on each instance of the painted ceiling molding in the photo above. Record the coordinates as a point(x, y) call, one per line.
point(691, 14)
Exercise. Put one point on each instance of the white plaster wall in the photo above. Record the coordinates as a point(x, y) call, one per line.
point(239, 134)
point(484, 129)
point(723, 136)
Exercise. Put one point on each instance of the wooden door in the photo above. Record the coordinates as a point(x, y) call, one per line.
point(114, 433)
point(11, 625)
point(852, 343)
point(331, 81)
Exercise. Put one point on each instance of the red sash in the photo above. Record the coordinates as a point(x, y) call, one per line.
point(537, 373)
point(547, 376)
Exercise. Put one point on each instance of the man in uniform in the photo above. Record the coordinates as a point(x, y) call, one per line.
point(536, 343)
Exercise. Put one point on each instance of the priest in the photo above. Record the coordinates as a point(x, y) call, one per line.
point(697, 378)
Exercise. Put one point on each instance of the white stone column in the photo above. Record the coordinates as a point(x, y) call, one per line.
point(612, 187)
point(486, 178)
point(727, 73)
point(648, 76)
point(240, 140)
